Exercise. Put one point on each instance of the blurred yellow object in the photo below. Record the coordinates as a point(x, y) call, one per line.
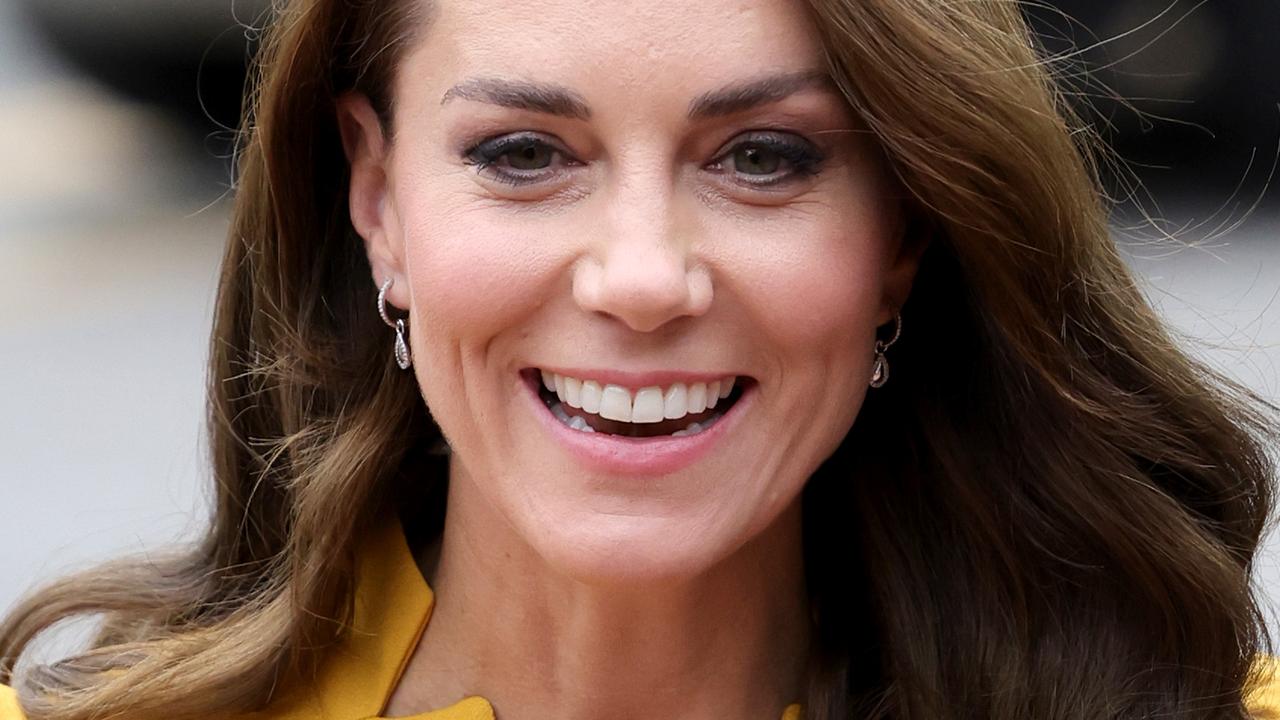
point(1264, 701)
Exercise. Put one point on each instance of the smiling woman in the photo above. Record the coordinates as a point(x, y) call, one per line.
point(550, 378)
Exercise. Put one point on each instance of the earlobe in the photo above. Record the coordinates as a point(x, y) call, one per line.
point(372, 215)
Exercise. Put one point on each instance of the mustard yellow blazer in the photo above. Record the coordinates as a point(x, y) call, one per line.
point(393, 604)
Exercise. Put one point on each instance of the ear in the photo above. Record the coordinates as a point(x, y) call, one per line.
point(372, 211)
point(913, 233)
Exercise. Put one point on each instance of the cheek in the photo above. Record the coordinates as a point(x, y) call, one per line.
point(472, 273)
point(815, 286)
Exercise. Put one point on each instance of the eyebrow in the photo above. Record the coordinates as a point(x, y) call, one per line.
point(558, 100)
point(761, 91)
point(522, 95)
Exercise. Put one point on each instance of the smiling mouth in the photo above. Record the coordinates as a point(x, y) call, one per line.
point(675, 410)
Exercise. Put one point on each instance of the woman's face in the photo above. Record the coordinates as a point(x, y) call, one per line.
point(647, 206)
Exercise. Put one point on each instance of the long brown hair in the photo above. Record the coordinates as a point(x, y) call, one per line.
point(1051, 511)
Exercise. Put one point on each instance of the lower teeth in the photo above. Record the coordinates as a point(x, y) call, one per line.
point(574, 421)
point(577, 423)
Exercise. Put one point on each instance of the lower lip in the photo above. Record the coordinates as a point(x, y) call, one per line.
point(621, 455)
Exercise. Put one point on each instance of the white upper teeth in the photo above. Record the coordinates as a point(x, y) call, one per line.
point(645, 405)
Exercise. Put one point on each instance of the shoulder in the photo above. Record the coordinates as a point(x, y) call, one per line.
point(9, 709)
point(1263, 700)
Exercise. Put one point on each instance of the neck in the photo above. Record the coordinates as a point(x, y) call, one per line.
point(729, 642)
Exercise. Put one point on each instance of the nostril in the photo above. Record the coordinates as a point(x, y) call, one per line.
point(643, 292)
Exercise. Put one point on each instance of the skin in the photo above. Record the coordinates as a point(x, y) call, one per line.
point(565, 592)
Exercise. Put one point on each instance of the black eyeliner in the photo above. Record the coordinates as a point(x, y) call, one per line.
point(804, 157)
point(484, 154)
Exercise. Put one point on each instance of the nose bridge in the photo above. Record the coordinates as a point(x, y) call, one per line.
point(642, 226)
point(642, 272)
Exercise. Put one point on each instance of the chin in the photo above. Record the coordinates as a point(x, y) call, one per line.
point(611, 550)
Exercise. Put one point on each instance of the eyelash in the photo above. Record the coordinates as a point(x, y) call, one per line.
point(483, 156)
point(804, 159)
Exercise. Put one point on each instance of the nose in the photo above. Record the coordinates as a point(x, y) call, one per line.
point(641, 271)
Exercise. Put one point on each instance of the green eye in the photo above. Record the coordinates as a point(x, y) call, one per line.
point(530, 156)
point(518, 158)
point(751, 159)
point(768, 158)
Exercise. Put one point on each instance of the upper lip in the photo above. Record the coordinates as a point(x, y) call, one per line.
point(638, 378)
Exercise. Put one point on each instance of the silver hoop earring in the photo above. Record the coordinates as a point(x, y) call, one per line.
point(880, 371)
point(402, 347)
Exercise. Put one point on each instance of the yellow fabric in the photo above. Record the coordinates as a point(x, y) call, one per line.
point(393, 605)
point(9, 709)
point(1264, 701)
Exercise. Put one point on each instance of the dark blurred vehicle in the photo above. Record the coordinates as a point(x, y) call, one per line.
point(1200, 78)
point(186, 56)
point(1188, 85)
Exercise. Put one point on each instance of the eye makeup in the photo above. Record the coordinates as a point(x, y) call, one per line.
point(524, 154)
point(769, 150)
point(755, 159)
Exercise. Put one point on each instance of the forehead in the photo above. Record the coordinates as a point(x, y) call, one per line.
point(617, 44)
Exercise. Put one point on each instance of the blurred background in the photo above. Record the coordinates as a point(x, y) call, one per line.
point(116, 123)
